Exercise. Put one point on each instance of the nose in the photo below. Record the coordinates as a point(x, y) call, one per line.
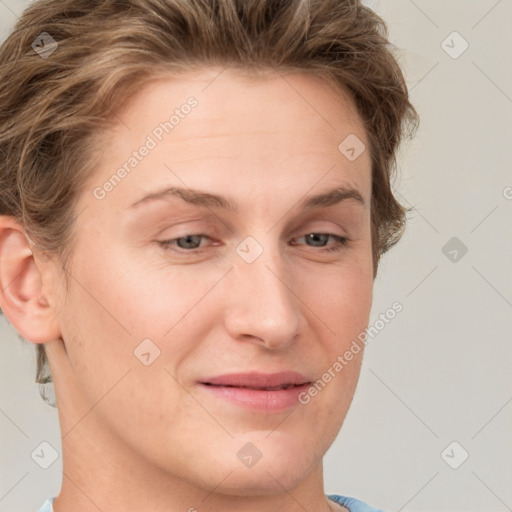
point(262, 308)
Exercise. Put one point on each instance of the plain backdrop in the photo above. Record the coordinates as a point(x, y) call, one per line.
point(430, 427)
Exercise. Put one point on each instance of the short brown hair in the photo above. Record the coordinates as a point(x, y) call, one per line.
point(52, 108)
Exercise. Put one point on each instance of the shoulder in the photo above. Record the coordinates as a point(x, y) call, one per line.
point(353, 504)
point(47, 505)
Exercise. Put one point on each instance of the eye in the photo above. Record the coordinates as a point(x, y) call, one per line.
point(191, 242)
point(320, 240)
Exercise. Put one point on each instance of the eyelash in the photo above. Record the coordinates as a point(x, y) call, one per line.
point(341, 243)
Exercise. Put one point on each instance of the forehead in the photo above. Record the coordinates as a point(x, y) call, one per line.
point(225, 95)
point(279, 127)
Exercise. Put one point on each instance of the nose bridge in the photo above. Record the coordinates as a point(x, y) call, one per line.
point(262, 305)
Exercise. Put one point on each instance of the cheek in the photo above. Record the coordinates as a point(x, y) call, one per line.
point(341, 297)
point(111, 308)
point(346, 308)
point(343, 303)
point(150, 299)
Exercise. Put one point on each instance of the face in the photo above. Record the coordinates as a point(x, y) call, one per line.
point(184, 309)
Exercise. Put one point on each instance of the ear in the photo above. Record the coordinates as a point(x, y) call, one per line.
point(22, 297)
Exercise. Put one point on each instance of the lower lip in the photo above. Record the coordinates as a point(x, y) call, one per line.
point(267, 401)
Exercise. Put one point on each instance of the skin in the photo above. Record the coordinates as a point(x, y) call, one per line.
point(141, 437)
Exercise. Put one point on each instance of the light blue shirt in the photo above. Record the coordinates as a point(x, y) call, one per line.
point(351, 503)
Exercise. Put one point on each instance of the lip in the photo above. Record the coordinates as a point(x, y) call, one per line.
point(267, 392)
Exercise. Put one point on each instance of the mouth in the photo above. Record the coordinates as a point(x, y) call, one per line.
point(256, 388)
point(258, 391)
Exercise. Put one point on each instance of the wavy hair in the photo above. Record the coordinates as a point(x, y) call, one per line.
point(52, 109)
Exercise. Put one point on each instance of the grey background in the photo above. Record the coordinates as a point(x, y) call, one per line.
point(440, 371)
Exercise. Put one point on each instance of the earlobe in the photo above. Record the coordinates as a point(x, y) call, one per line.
point(22, 297)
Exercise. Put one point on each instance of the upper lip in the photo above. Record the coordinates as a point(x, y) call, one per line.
point(256, 380)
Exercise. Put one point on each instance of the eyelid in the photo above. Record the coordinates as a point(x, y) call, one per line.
point(340, 242)
point(206, 225)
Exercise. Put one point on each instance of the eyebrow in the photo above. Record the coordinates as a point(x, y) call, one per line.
point(200, 198)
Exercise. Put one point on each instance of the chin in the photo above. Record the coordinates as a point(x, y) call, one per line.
point(279, 467)
point(266, 481)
